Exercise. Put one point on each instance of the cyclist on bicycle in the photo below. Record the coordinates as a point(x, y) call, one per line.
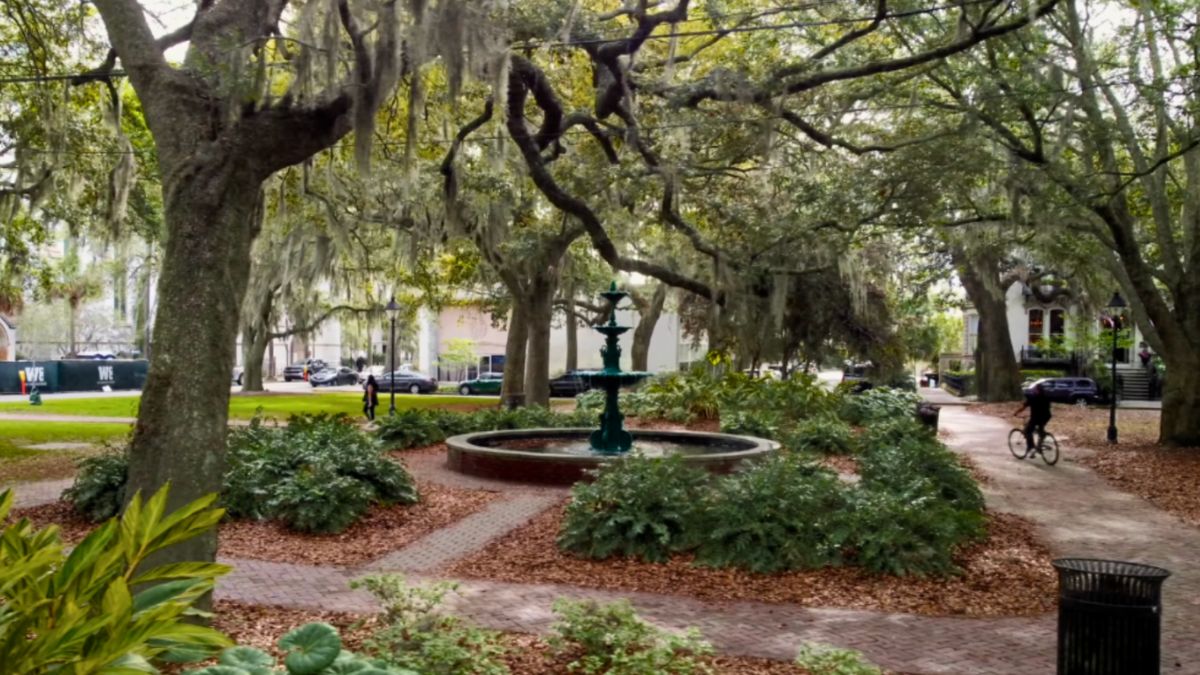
point(1039, 415)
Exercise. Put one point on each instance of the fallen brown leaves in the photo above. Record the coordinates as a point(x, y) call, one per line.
point(1008, 574)
point(52, 465)
point(1169, 478)
point(261, 627)
point(379, 532)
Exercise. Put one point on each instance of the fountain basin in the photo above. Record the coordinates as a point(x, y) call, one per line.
point(563, 456)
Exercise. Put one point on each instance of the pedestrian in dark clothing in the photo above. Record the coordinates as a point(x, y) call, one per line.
point(370, 397)
point(1145, 356)
point(1039, 415)
point(360, 363)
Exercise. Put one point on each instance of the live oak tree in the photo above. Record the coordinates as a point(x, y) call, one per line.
point(253, 95)
point(1106, 125)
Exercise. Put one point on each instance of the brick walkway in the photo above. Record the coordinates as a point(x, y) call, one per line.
point(437, 549)
point(1079, 515)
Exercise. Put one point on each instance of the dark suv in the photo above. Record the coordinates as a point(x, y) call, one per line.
point(1069, 389)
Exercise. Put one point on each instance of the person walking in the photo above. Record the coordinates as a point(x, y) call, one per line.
point(370, 397)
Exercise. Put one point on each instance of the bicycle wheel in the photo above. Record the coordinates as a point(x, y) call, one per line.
point(1016, 443)
point(1050, 449)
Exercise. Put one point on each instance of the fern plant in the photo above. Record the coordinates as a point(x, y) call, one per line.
point(783, 514)
point(638, 507)
point(91, 611)
point(99, 488)
point(826, 435)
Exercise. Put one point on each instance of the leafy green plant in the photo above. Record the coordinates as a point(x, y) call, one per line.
point(311, 649)
point(417, 428)
point(785, 513)
point(821, 659)
point(612, 639)
point(912, 533)
point(637, 506)
point(917, 464)
point(319, 474)
point(91, 611)
point(826, 435)
point(879, 404)
point(99, 488)
point(414, 635)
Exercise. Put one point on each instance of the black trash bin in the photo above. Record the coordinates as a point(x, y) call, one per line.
point(928, 414)
point(1109, 617)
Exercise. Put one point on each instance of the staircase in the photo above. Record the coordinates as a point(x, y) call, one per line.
point(1135, 384)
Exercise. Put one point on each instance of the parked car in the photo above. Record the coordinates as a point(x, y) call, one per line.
point(486, 383)
point(298, 371)
point(1070, 389)
point(331, 377)
point(570, 384)
point(407, 380)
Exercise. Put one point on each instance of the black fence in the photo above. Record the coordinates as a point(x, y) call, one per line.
point(18, 377)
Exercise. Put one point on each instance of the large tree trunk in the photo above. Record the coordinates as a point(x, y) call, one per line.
point(649, 312)
point(540, 304)
point(997, 374)
point(180, 432)
point(254, 350)
point(512, 394)
point(572, 328)
point(1180, 424)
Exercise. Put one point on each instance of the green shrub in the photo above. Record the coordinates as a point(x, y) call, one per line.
point(826, 435)
point(636, 507)
point(414, 635)
point(318, 474)
point(99, 488)
point(612, 639)
point(907, 533)
point(891, 432)
point(879, 404)
point(90, 611)
point(418, 428)
point(916, 463)
point(827, 660)
point(311, 649)
point(783, 514)
point(751, 423)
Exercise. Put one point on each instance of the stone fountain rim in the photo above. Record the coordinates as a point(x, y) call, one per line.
point(464, 443)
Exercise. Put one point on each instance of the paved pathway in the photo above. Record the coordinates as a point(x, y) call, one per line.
point(437, 549)
point(1079, 515)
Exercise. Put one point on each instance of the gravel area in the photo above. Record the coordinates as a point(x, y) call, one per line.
point(1169, 478)
point(1008, 574)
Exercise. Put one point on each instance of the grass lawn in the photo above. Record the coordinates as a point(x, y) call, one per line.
point(245, 407)
point(19, 463)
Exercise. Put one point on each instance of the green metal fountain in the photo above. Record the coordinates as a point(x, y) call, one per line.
point(612, 438)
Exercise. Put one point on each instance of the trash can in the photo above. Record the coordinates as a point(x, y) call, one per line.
point(928, 414)
point(1109, 617)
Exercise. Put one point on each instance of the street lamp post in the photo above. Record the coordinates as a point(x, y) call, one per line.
point(392, 309)
point(1114, 306)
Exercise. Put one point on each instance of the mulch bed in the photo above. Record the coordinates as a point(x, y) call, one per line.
point(1008, 574)
point(1168, 478)
point(261, 627)
point(379, 532)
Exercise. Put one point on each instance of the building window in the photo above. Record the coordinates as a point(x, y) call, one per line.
point(1058, 324)
point(1036, 326)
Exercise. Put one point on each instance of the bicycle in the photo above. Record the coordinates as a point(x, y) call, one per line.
point(1047, 445)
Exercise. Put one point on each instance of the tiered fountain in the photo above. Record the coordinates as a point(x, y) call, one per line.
point(564, 456)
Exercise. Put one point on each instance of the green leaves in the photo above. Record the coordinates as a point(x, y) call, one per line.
point(310, 648)
point(99, 487)
point(636, 507)
point(80, 611)
point(612, 639)
point(420, 427)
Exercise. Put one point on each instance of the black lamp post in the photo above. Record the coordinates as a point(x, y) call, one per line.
point(392, 309)
point(1114, 306)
